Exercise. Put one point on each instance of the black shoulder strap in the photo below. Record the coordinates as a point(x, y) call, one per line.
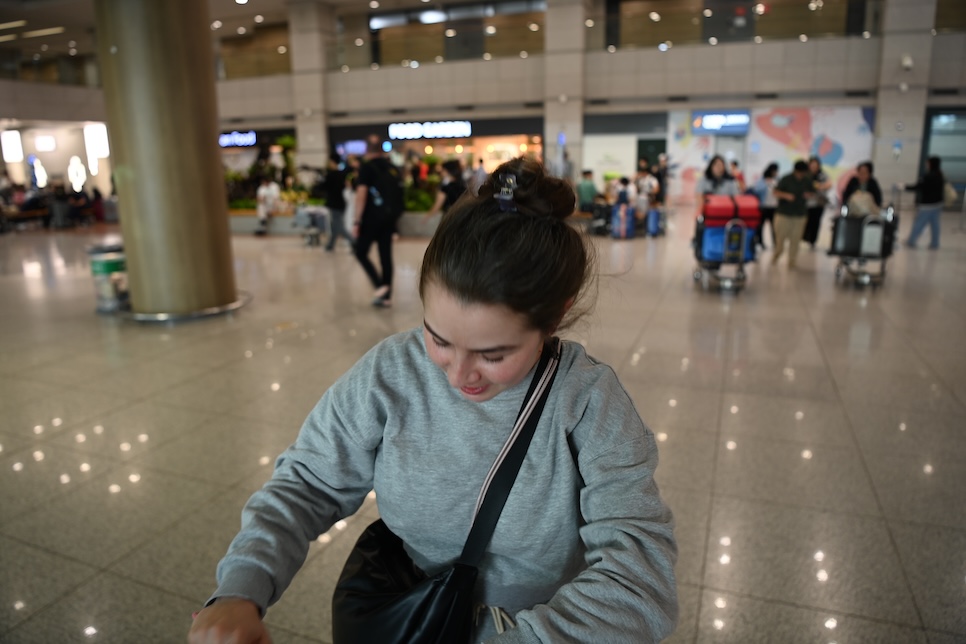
point(504, 472)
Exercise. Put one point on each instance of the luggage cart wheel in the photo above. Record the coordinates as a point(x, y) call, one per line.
point(741, 276)
point(698, 275)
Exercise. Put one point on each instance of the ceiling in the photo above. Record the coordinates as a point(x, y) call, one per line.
point(77, 19)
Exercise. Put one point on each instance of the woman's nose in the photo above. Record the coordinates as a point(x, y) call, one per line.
point(461, 371)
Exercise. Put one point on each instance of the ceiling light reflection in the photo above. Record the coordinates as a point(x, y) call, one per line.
point(799, 415)
point(734, 409)
point(340, 525)
point(114, 488)
point(718, 624)
point(720, 602)
point(142, 438)
point(661, 437)
point(264, 460)
point(98, 429)
point(85, 467)
point(38, 429)
point(822, 575)
point(80, 438)
point(807, 454)
point(725, 541)
point(57, 422)
point(90, 631)
point(725, 559)
point(902, 427)
point(324, 538)
point(927, 468)
point(65, 479)
point(819, 556)
point(18, 605)
point(731, 445)
point(831, 623)
point(17, 467)
point(134, 478)
point(125, 447)
point(38, 456)
point(672, 402)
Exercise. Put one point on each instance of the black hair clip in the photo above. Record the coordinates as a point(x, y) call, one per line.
point(507, 184)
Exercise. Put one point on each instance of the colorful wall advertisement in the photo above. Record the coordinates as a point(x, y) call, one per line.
point(688, 154)
point(841, 137)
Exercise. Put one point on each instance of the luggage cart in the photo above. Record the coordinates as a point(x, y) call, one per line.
point(725, 235)
point(861, 243)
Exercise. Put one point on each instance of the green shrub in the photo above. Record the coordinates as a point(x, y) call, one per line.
point(242, 204)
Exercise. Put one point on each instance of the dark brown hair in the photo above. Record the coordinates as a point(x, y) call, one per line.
point(520, 254)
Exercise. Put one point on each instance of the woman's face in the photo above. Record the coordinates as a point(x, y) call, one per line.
point(813, 166)
point(717, 168)
point(483, 349)
point(863, 174)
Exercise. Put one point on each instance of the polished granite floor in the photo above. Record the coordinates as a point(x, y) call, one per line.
point(812, 436)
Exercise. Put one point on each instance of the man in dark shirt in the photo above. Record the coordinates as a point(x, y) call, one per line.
point(333, 185)
point(792, 191)
point(378, 205)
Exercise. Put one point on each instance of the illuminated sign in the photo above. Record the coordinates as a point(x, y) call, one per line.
point(238, 139)
point(735, 122)
point(431, 130)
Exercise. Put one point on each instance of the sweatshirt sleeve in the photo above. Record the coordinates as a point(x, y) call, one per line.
point(323, 477)
point(627, 593)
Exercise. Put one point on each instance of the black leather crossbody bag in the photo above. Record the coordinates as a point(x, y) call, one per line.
point(382, 596)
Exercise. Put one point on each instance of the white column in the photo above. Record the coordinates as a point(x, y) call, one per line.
point(564, 83)
point(311, 27)
point(903, 90)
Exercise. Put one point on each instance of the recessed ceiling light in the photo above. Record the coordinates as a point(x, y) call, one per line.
point(360, 42)
point(72, 52)
point(708, 13)
point(241, 31)
point(259, 18)
point(588, 23)
point(450, 33)
point(490, 29)
point(72, 43)
point(712, 40)
point(487, 56)
point(216, 25)
point(655, 16)
point(374, 4)
point(282, 49)
point(241, 1)
point(12, 25)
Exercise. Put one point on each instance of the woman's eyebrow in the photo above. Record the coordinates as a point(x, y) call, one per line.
point(506, 347)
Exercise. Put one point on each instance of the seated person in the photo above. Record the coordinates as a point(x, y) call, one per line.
point(862, 194)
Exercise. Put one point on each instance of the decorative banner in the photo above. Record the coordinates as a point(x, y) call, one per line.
point(688, 155)
point(841, 137)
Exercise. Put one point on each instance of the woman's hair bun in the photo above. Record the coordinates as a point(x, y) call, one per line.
point(536, 192)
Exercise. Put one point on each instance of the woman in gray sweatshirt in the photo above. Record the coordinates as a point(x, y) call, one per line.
point(584, 549)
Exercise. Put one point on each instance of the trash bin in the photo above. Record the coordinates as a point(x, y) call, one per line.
point(110, 278)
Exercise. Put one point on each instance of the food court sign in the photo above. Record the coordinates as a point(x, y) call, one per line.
point(431, 130)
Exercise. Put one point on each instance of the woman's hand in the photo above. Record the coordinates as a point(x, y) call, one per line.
point(229, 621)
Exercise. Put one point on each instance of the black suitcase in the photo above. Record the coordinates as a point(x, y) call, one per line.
point(600, 223)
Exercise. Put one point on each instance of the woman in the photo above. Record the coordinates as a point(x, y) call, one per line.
point(929, 203)
point(870, 202)
point(584, 551)
point(816, 201)
point(451, 188)
point(716, 180)
point(768, 202)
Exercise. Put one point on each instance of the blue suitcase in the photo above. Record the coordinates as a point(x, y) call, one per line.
point(622, 227)
point(654, 227)
point(713, 246)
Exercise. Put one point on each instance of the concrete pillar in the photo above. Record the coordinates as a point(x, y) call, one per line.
point(564, 83)
point(159, 87)
point(903, 90)
point(311, 27)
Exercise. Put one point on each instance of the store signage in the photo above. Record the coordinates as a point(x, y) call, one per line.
point(431, 130)
point(238, 139)
point(734, 122)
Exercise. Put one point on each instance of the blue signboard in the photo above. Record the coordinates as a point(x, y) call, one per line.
point(730, 122)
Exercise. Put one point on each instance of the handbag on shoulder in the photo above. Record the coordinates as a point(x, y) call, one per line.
point(382, 596)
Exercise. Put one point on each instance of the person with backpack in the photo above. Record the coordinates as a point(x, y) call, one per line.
point(379, 203)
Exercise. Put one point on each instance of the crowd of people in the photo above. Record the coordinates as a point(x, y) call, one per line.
point(53, 205)
point(793, 205)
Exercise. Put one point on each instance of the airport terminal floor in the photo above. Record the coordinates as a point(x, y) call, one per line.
point(812, 436)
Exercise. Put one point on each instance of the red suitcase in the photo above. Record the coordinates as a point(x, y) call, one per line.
point(718, 210)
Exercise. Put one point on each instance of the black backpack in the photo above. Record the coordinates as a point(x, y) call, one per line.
point(385, 198)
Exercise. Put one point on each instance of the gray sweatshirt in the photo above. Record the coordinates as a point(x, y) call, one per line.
point(584, 549)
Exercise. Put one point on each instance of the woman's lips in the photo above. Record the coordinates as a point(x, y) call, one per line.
point(473, 391)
